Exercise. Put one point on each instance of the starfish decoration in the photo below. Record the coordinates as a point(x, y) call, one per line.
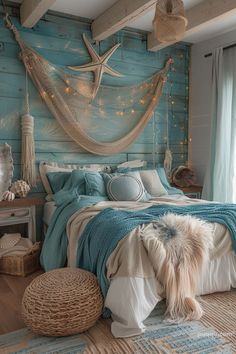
point(98, 65)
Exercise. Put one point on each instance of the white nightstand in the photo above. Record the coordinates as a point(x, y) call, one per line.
point(19, 216)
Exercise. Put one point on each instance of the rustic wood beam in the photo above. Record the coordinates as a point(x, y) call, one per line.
point(119, 16)
point(199, 17)
point(32, 10)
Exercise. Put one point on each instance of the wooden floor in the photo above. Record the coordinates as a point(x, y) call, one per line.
point(11, 293)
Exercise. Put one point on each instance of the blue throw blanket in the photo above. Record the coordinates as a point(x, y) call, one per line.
point(54, 250)
point(105, 230)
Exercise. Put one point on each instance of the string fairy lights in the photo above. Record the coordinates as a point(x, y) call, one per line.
point(132, 102)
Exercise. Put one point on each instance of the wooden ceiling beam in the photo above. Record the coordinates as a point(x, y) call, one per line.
point(32, 10)
point(119, 16)
point(199, 17)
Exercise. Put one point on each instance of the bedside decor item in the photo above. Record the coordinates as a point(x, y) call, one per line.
point(183, 176)
point(169, 22)
point(8, 195)
point(6, 168)
point(20, 188)
point(62, 302)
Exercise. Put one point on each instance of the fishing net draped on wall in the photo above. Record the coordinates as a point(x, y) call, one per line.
point(103, 125)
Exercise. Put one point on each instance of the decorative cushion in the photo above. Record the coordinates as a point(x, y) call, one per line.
point(125, 187)
point(62, 302)
point(57, 180)
point(94, 184)
point(74, 187)
point(161, 173)
point(170, 190)
point(152, 183)
point(46, 167)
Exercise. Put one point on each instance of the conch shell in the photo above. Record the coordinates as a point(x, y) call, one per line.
point(8, 195)
point(20, 188)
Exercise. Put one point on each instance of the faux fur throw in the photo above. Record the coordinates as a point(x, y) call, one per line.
point(177, 247)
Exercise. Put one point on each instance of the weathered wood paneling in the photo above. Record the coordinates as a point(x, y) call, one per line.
point(59, 40)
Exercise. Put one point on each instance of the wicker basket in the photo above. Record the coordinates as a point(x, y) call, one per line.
point(21, 265)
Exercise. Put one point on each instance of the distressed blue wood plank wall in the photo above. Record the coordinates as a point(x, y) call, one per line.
point(59, 40)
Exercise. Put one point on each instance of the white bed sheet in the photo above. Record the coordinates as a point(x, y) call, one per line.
point(49, 208)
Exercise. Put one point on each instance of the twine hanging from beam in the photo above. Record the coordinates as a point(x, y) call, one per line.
point(27, 142)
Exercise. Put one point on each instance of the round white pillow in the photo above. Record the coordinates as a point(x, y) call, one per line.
point(125, 187)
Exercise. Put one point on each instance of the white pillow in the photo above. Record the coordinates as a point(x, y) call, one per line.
point(152, 183)
point(45, 167)
point(133, 164)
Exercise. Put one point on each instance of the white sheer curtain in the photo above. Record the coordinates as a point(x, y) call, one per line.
point(220, 181)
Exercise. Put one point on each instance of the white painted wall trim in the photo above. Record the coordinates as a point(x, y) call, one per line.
point(32, 10)
point(119, 16)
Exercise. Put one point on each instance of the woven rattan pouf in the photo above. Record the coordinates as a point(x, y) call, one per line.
point(62, 302)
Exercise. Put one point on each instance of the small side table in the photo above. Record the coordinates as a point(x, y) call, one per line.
point(19, 216)
point(194, 191)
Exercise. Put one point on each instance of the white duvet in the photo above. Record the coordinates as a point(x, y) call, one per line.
point(131, 297)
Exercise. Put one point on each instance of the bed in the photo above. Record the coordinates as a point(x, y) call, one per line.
point(132, 288)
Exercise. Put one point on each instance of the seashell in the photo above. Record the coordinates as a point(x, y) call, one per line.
point(20, 188)
point(8, 195)
point(9, 240)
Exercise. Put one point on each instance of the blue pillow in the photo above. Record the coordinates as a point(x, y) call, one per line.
point(108, 176)
point(171, 190)
point(125, 187)
point(94, 184)
point(74, 187)
point(57, 180)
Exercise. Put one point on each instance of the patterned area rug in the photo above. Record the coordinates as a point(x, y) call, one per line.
point(215, 333)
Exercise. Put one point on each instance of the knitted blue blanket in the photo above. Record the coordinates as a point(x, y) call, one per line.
point(105, 230)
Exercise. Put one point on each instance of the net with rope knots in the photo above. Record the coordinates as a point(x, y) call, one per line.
point(169, 22)
point(117, 115)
